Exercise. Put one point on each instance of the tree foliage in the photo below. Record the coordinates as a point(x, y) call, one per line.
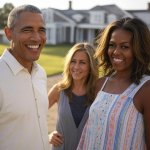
point(4, 12)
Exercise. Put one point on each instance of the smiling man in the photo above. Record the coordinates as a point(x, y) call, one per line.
point(23, 83)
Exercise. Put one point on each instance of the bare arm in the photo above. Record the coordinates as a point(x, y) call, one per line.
point(143, 104)
point(146, 112)
point(53, 95)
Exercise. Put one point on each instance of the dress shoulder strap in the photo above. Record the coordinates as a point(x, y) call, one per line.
point(104, 83)
point(62, 98)
point(143, 80)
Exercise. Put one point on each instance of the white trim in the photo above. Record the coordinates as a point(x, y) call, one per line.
point(64, 17)
point(90, 26)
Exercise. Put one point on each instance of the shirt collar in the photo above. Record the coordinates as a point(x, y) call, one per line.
point(13, 64)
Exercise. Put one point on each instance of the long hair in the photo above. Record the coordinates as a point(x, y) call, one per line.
point(67, 80)
point(140, 46)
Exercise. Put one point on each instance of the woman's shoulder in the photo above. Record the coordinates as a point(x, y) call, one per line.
point(144, 84)
point(55, 88)
point(100, 83)
point(141, 95)
point(145, 87)
point(53, 94)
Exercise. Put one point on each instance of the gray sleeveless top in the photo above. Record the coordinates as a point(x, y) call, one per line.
point(66, 125)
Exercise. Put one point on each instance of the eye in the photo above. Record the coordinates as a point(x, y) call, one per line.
point(42, 30)
point(124, 47)
point(26, 30)
point(83, 62)
point(73, 61)
point(111, 45)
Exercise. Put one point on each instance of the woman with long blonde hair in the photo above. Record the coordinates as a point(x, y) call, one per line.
point(74, 94)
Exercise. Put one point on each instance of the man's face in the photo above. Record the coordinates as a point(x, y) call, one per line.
point(27, 37)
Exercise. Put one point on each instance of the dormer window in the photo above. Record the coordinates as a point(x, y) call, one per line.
point(78, 17)
point(97, 17)
point(111, 18)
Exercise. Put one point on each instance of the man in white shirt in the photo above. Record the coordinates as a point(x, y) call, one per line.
point(23, 83)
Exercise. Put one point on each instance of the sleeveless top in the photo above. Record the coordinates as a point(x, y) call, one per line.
point(66, 125)
point(114, 123)
point(78, 107)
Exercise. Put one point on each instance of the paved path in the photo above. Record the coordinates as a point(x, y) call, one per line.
point(53, 79)
point(52, 113)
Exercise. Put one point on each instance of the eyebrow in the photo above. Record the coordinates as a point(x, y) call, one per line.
point(120, 43)
point(30, 27)
point(26, 27)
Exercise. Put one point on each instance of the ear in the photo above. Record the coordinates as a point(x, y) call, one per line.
point(8, 33)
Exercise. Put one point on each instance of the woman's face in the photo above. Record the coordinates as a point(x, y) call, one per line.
point(120, 50)
point(80, 66)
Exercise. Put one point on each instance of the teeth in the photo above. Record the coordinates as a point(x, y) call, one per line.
point(118, 60)
point(33, 46)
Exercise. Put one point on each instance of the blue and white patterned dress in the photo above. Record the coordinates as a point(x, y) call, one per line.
point(114, 123)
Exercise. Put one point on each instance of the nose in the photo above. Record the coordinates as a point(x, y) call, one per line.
point(76, 65)
point(116, 50)
point(36, 36)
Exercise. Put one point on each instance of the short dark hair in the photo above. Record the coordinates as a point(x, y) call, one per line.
point(14, 14)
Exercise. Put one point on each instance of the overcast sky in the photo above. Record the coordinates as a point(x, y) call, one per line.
point(80, 4)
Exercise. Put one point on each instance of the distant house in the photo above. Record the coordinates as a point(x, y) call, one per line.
point(142, 14)
point(71, 26)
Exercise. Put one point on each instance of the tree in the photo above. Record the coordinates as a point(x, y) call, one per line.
point(4, 12)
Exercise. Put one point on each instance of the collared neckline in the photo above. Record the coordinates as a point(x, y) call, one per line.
point(13, 64)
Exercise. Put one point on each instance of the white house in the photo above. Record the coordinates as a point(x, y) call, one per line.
point(71, 26)
point(142, 14)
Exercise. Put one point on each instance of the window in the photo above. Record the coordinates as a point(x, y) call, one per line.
point(97, 17)
point(111, 18)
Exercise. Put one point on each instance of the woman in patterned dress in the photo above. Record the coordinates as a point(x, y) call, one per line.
point(119, 117)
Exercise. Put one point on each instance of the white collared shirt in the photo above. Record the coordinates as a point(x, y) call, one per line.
point(23, 106)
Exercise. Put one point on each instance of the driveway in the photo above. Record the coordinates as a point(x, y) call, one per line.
point(52, 113)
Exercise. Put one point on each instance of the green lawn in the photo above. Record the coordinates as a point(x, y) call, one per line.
point(52, 57)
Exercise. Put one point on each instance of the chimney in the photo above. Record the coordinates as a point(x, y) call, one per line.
point(148, 6)
point(70, 5)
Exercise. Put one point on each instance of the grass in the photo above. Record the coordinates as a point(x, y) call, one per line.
point(52, 57)
point(2, 47)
